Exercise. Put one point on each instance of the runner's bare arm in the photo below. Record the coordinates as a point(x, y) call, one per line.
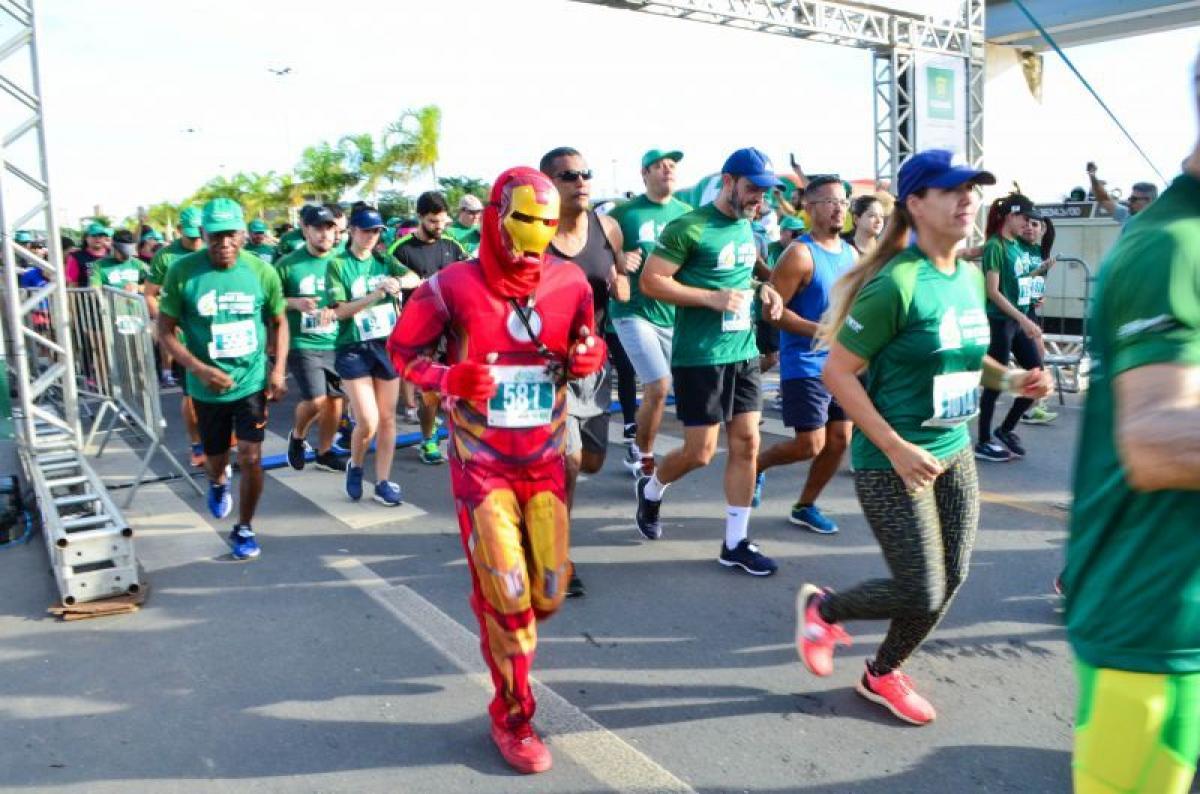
point(618, 279)
point(792, 274)
point(212, 377)
point(1032, 383)
point(1103, 198)
point(280, 338)
point(1158, 426)
point(347, 309)
point(658, 282)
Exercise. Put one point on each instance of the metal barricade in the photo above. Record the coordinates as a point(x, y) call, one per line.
point(111, 330)
point(1066, 353)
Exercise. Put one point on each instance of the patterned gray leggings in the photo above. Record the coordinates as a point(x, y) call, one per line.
point(926, 541)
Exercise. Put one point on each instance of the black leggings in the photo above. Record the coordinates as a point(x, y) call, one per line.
point(626, 378)
point(1007, 339)
point(926, 540)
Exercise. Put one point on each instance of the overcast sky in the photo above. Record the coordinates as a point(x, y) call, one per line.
point(126, 80)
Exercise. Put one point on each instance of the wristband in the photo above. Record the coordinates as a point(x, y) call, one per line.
point(1006, 382)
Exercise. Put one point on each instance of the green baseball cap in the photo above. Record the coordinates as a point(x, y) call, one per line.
point(792, 223)
point(189, 222)
point(97, 229)
point(258, 226)
point(22, 236)
point(151, 234)
point(223, 215)
point(654, 155)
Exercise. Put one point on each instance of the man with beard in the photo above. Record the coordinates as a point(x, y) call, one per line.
point(804, 277)
point(703, 265)
point(425, 251)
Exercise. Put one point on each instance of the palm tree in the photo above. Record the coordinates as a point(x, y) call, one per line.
point(372, 164)
point(288, 195)
point(217, 187)
point(417, 133)
point(257, 192)
point(323, 169)
point(164, 215)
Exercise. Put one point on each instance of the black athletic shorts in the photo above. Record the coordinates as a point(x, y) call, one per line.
point(247, 418)
point(715, 393)
point(314, 373)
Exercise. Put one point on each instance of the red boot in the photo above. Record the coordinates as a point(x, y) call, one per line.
point(522, 748)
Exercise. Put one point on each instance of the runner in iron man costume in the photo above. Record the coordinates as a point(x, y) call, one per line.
point(518, 325)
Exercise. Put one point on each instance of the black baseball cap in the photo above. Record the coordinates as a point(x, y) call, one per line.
point(1019, 205)
point(316, 215)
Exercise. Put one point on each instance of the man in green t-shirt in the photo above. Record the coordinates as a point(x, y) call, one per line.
point(259, 244)
point(121, 268)
point(703, 265)
point(465, 228)
point(188, 240)
point(312, 328)
point(224, 300)
point(646, 326)
point(1132, 579)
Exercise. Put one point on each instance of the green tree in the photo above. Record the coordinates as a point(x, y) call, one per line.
point(217, 187)
point(372, 163)
point(417, 134)
point(288, 195)
point(257, 192)
point(323, 169)
point(455, 187)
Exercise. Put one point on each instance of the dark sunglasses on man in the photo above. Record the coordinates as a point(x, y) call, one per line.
point(573, 176)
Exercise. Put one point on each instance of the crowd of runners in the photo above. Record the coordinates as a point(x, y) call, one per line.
point(507, 320)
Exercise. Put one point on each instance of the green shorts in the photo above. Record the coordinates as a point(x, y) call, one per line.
point(1135, 733)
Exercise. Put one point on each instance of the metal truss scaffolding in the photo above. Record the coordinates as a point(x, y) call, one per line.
point(893, 37)
point(87, 539)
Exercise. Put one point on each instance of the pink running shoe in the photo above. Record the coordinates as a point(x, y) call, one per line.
point(816, 637)
point(895, 692)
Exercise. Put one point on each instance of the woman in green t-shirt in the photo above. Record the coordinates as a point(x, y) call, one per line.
point(913, 317)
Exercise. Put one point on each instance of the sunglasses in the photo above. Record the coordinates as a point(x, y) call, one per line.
point(472, 212)
point(572, 176)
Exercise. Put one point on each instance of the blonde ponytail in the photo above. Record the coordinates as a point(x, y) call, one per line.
point(846, 290)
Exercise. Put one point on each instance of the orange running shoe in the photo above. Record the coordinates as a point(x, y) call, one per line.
point(894, 691)
point(522, 748)
point(815, 636)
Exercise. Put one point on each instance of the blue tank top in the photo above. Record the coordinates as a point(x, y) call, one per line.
point(797, 359)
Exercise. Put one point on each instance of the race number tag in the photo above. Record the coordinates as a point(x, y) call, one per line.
point(310, 323)
point(376, 322)
point(740, 319)
point(1024, 290)
point(233, 340)
point(1037, 289)
point(955, 399)
point(524, 397)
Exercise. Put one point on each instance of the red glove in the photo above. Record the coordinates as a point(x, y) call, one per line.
point(588, 355)
point(469, 380)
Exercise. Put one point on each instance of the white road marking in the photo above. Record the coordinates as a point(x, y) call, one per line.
point(600, 751)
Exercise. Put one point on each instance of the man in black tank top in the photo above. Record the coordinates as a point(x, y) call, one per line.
point(585, 239)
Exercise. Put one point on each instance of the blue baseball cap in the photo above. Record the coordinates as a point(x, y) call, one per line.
point(367, 219)
point(935, 168)
point(753, 165)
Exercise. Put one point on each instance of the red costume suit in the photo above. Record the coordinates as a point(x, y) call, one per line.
point(505, 397)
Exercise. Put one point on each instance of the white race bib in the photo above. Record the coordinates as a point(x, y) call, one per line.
point(376, 322)
point(1038, 288)
point(955, 399)
point(1024, 290)
point(740, 319)
point(310, 323)
point(233, 340)
point(524, 397)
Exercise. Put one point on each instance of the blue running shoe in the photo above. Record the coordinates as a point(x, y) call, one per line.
point(220, 501)
point(388, 493)
point(245, 547)
point(812, 519)
point(354, 477)
point(758, 489)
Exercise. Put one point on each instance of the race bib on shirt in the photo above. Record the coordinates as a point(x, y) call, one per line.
point(739, 320)
point(955, 399)
point(524, 397)
point(1024, 290)
point(310, 323)
point(376, 322)
point(233, 340)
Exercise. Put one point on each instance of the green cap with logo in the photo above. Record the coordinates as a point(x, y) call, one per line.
point(654, 155)
point(792, 223)
point(22, 236)
point(151, 234)
point(258, 226)
point(223, 215)
point(189, 222)
point(97, 229)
